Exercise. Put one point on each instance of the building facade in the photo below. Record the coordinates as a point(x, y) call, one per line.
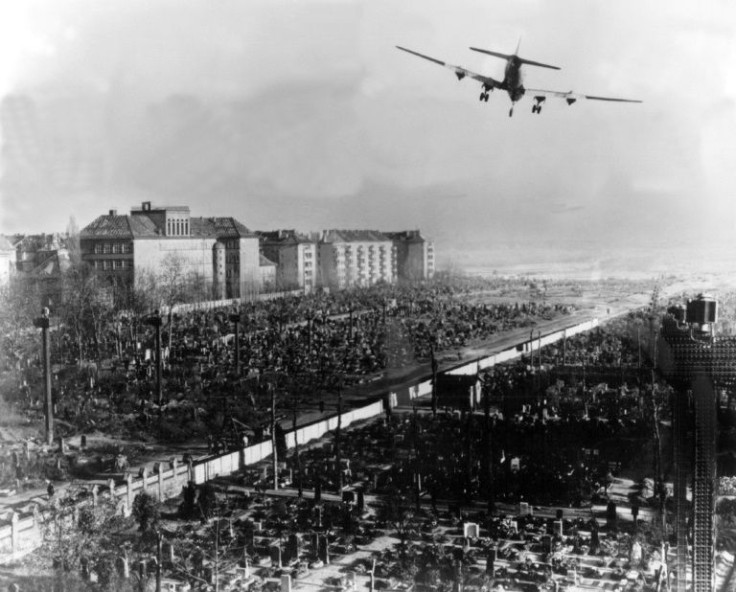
point(267, 270)
point(219, 256)
point(414, 255)
point(7, 260)
point(296, 258)
point(349, 258)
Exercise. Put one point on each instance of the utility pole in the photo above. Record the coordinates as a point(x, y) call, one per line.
point(487, 444)
point(159, 558)
point(539, 349)
point(155, 321)
point(273, 438)
point(531, 348)
point(296, 449)
point(434, 381)
point(337, 439)
point(43, 323)
point(235, 319)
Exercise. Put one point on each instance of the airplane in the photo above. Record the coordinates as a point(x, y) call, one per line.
point(512, 81)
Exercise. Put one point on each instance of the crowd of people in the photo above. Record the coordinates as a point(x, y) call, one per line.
point(353, 334)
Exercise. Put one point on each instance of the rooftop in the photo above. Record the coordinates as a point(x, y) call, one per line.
point(142, 226)
point(283, 237)
point(353, 236)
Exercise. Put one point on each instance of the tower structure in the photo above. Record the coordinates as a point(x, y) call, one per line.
point(696, 363)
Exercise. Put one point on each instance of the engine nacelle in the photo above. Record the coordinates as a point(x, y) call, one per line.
point(570, 100)
point(460, 75)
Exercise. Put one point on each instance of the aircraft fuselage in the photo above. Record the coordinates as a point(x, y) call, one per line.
point(513, 79)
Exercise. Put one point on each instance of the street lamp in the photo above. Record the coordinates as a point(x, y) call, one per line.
point(42, 323)
point(235, 319)
point(155, 321)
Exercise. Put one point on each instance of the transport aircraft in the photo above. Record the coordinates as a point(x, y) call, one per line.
point(513, 82)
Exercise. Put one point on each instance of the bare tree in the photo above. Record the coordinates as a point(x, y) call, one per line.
point(87, 307)
point(77, 541)
point(72, 242)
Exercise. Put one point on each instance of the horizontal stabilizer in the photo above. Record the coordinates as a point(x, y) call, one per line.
point(421, 55)
point(591, 97)
point(508, 57)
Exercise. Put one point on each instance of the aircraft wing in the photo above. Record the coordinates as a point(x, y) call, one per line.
point(571, 96)
point(460, 72)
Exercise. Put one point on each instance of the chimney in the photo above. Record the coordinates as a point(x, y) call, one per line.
point(113, 212)
point(146, 206)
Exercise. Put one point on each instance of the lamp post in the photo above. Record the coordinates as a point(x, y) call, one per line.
point(155, 321)
point(235, 319)
point(338, 458)
point(434, 380)
point(296, 448)
point(274, 456)
point(42, 323)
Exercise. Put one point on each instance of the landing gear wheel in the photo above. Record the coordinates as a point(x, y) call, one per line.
point(482, 97)
point(487, 97)
point(511, 112)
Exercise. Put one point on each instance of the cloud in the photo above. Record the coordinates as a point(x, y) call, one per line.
point(304, 114)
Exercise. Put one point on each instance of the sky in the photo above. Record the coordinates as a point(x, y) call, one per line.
point(302, 114)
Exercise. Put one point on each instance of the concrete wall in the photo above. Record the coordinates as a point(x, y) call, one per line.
point(155, 255)
point(526, 347)
point(211, 304)
point(7, 265)
point(250, 263)
point(405, 395)
point(21, 534)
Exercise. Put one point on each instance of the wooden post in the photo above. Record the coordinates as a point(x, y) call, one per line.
point(43, 323)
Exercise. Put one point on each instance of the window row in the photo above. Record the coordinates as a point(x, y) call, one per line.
point(177, 227)
point(116, 248)
point(108, 264)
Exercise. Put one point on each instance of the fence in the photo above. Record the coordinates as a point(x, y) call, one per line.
point(22, 534)
point(405, 395)
point(229, 302)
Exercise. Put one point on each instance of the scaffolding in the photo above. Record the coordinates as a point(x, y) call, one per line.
point(696, 363)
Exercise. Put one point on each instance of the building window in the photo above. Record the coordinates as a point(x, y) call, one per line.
point(106, 264)
point(116, 248)
point(127, 247)
point(98, 248)
point(106, 248)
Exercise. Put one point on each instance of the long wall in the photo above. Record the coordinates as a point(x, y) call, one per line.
point(210, 304)
point(405, 395)
point(21, 533)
